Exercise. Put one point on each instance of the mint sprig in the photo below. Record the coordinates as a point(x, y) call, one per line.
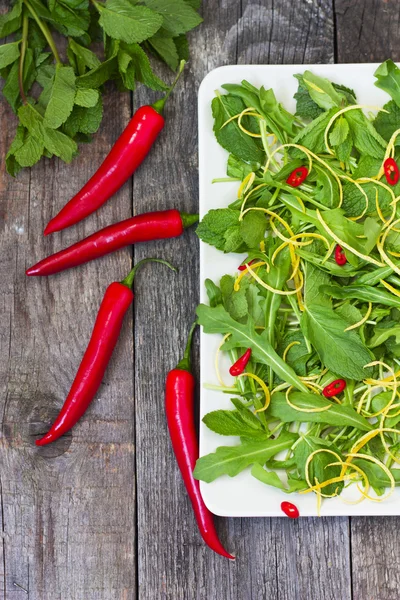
point(58, 95)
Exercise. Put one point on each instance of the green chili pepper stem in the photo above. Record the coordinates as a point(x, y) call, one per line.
point(188, 219)
point(128, 281)
point(186, 364)
point(160, 104)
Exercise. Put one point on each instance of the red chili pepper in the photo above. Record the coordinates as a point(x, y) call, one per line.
point(239, 366)
point(391, 169)
point(125, 156)
point(179, 407)
point(340, 256)
point(290, 510)
point(243, 267)
point(116, 301)
point(142, 228)
point(336, 387)
point(297, 176)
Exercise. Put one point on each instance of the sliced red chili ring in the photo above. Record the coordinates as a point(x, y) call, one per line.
point(340, 256)
point(391, 170)
point(290, 510)
point(243, 267)
point(336, 387)
point(297, 176)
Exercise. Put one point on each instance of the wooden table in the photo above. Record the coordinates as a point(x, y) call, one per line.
point(102, 514)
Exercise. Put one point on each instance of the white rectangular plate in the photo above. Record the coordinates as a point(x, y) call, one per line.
point(244, 496)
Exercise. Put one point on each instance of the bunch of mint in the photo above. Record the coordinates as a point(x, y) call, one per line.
point(56, 95)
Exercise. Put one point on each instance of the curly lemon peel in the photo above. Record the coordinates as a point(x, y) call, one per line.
point(305, 410)
point(300, 201)
point(288, 347)
point(307, 465)
point(389, 152)
point(390, 287)
point(247, 195)
point(384, 469)
point(340, 112)
point(380, 245)
point(246, 184)
point(344, 244)
point(249, 112)
point(376, 182)
point(301, 148)
point(329, 253)
point(378, 208)
point(364, 493)
point(313, 377)
point(246, 131)
point(268, 287)
point(247, 270)
point(264, 388)
point(216, 361)
point(363, 320)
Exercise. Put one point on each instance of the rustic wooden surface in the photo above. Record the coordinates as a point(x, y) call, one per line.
point(102, 514)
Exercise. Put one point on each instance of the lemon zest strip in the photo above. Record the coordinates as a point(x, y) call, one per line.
point(363, 320)
point(263, 387)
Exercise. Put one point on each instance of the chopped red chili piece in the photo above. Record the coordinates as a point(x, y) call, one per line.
point(340, 256)
point(239, 366)
point(336, 387)
point(243, 267)
point(391, 169)
point(297, 176)
point(290, 510)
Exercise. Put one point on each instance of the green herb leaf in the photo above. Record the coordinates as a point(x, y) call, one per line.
point(62, 97)
point(388, 79)
point(178, 16)
point(235, 302)
point(306, 108)
point(271, 478)
point(213, 292)
point(252, 228)
point(386, 123)
point(364, 293)
point(9, 53)
point(214, 225)
point(86, 97)
point(231, 460)
point(319, 467)
point(143, 70)
point(231, 422)
point(322, 91)
point(339, 132)
point(165, 47)
point(11, 21)
point(123, 21)
point(340, 351)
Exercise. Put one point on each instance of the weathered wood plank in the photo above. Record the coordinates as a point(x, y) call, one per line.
point(68, 510)
point(368, 31)
point(276, 558)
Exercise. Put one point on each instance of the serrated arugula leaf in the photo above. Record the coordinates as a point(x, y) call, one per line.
point(62, 97)
point(213, 292)
point(322, 91)
point(271, 478)
point(217, 320)
point(231, 460)
point(130, 23)
point(9, 53)
point(165, 47)
point(388, 79)
point(232, 422)
point(178, 16)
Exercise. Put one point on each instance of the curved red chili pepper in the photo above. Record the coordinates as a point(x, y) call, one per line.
point(142, 228)
point(391, 170)
point(336, 387)
point(116, 301)
point(239, 366)
point(297, 176)
point(125, 156)
point(290, 510)
point(179, 407)
point(243, 267)
point(340, 256)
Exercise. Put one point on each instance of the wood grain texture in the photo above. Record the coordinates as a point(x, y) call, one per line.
point(67, 511)
point(276, 558)
point(368, 30)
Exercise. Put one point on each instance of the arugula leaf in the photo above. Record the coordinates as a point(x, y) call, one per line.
point(365, 293)
point(231, 460)
point(306, 108)
point(274, 110)
point(341, 352)
point(230, 136)
point(337, 415)
point(388, 79)
point(213, 292)
point(62, 97)
point(271, 478)
point(314, 278)
point(123, 21)
point(178, 16)
point(217, 320)
point(322, 91)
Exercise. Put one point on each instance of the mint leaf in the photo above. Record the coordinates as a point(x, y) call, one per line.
point(339, 132)
point(235, 303)
point(71, 17)
point(387, 123)
point(122, 21)
point(11, 21)
point(231, 460)
point(322, 91)
point(366, 139)
point(164, 46)
point(252, 228)
point(62, 97)
point(99, 75)
point(215, 223)
point(11, 87)
point(143, 71)
point(312, 136)
point(30, 152)
point(84, 120)
point(182, 47)
point(9, 53)
point(13, 167)
point(388, 79)
point(86, 97)
point(86, 57)
point(231, 422)
point(306, 108)
point(178, 16)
